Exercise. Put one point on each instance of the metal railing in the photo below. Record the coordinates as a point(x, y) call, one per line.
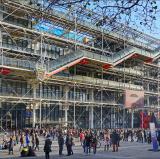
point(76, 55)
point(108, 83)
point(18, 63)
point(128, 71)
point(131, 50)
point(100, 82)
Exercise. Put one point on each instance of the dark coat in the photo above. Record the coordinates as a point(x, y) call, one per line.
point(88, 140)
point(115, 138)
point(69, 140)
point(37, 140)
point(60, 140)
point(47, 146)
point(11, 145)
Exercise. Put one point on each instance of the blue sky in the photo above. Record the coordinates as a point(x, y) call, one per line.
point(154, 31)
point(137, 17)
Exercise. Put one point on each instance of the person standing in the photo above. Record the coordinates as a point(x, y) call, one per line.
point(11, 144)
point(115, 139)
point(27, 139)
point(106, 140)
point(17, 140)
point(33, 141)
point(88, 139)
point(69, 142)
point(60, 143)
point(47, 147)
point(81, 136)
point(132, 133)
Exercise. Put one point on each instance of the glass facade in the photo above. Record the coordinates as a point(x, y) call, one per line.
point(13, 115)
point(15, 88)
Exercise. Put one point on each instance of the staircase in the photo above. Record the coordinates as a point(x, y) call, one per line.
point(128, 52)
point(73, 58)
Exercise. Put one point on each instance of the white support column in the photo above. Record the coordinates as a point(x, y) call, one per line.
point(132, 119)
point(91, 118)
point(148, 105)
point(0, 115)
point(101, 117)
point(91, 109)
point(114, 119)
point(34, 105)
point(1, 17)
point(74, 109)
point(66, 116)
point(40, 107)
point(66, 107)
point(0, 37)
point(34, 116)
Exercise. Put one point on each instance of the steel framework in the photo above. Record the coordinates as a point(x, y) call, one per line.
point(60, 68)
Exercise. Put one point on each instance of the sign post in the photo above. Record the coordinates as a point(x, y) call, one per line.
point(153, 136)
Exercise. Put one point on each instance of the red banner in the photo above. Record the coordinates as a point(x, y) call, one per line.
point(145, 120)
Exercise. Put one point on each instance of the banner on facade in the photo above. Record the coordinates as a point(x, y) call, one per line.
point(153, 136)
point(145, 120)
point(134, 99)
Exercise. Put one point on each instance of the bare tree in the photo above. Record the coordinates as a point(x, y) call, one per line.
point(128, 12)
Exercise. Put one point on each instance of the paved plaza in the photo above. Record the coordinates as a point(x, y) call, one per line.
point(127, 150)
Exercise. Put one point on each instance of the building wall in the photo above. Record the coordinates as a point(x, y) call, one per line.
point(82, 92)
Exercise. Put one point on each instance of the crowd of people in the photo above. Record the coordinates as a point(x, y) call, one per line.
point(89, 139)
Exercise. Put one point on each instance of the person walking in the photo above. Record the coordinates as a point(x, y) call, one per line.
point(21, 141)
point(47, 147)
point(37, 142)
point(94, 143)
point(60, 143)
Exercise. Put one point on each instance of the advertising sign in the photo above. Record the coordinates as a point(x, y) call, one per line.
point(153, 136)
point(134, 99)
